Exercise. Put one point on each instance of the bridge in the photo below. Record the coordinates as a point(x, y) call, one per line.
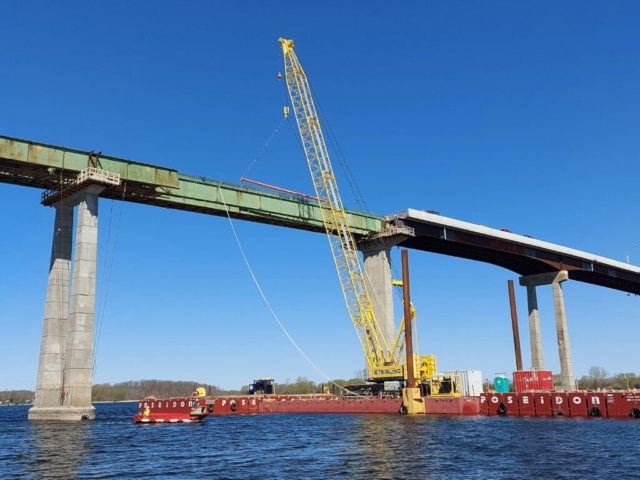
point(71, 178)
point(55, 169)
point(519, 253)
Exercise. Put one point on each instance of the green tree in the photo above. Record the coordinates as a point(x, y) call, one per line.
point(598, 376)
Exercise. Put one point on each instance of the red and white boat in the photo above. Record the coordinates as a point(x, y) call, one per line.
point(172, 410)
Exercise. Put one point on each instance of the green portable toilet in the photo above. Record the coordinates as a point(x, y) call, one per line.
point(501, 384)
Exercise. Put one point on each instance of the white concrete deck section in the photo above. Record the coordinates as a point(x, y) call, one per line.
point(438, 220)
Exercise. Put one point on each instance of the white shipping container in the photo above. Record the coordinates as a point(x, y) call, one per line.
point(471, 382)
point(393, 386)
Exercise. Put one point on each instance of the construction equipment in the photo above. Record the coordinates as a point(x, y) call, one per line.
point(383, 363)
point(263, 386)
point(385, 366)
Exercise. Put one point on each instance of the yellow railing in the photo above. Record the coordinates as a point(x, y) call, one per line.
point(444, 386)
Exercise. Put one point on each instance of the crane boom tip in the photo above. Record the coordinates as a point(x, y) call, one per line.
point(287, 45)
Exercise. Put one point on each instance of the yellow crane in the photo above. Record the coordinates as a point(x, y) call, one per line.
point(384, 362)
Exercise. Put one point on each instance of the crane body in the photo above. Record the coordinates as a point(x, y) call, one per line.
point(386, 365)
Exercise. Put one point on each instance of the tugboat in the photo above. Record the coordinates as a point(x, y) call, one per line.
point(173, 410)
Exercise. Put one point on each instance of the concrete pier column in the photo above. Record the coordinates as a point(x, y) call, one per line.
point(566, 363)
point(377, 274)
point(564, 350)
point(65, 373)
point(537, 357)
point(80, 337)
point(56, 311)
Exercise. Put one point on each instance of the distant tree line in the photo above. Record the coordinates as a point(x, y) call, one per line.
point(16, 397)
point(597, 377)
point(302, 385)
point(138, 389)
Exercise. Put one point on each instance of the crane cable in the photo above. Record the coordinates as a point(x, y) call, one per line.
point(390, 268)
point(105, 293)
point(353, 185)
point(266, 301)
point(373, 294)
point(359, 198)
point(62, 320)
point(264, 148)
point(98, 309)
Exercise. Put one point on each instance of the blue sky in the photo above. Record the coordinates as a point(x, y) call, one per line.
point(514, 115)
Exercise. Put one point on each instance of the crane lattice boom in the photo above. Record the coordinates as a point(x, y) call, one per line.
point(343, 246)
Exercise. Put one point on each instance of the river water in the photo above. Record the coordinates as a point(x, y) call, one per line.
point(323, 446)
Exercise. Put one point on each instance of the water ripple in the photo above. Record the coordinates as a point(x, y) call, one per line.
point(317, 447)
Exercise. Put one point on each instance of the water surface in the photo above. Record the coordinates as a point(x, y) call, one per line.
point(323, 446)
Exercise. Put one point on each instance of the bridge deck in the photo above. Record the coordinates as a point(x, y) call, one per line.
point(49, 167)
point(518, 253)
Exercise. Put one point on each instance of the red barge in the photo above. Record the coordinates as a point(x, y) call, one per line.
point(535, 396)
point(584, 404)
point(603, 404)
point(262, 400)
point(180, 409)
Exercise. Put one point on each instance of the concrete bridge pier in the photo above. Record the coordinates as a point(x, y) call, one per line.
point(65, 371)
point(564, 350)
point(537, 357)
point(377, 268)
point(376, 253)
point(56, 310)
point(562, 330)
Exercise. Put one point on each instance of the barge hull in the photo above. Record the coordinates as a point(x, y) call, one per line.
point(265, 404)
point(582, 404)
point(452, 406)
point(262, 404)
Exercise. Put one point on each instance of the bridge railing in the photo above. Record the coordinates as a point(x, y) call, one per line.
point(97, 175)
point(90, 175)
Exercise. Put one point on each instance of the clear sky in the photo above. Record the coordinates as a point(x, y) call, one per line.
point(518, 115)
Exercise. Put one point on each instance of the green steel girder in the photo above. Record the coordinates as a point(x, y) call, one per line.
point(216, 198)
point(52, 160)
point(38, 165)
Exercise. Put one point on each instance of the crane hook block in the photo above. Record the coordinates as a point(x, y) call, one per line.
point(286, 112)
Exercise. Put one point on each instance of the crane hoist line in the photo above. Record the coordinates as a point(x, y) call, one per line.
point(384, 362)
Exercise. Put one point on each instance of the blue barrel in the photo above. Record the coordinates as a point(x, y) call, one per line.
point(501, 384)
